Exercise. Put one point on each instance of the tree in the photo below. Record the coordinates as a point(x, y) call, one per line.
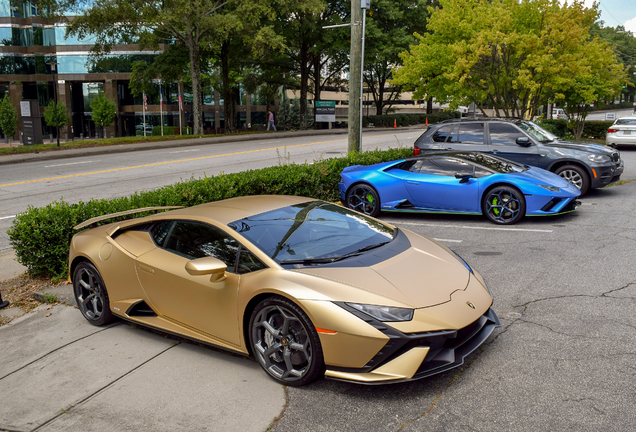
point(389, 32)
point(8, 117)
point(150, 24)
point(624, 44)
point(63, 116)
point(103, 110)
point(512, 55)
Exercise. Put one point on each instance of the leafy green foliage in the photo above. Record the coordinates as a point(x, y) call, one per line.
point(562, 128)
point(63, 116)
point(8, 117)
point(41, 235)
point(513, 55)
point(104, 111)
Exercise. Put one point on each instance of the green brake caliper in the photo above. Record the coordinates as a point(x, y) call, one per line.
point(494, 203)
point(370, 198)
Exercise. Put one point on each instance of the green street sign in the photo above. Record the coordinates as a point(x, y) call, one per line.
point(325, 104)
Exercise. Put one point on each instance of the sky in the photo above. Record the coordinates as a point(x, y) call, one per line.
point(617, 12)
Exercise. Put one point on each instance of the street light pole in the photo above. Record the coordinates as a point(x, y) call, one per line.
point(53, 65)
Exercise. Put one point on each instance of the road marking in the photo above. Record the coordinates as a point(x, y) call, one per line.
point(184, 151)
point(475, 228)
point(270, 142)
point(70, 163)
point(7, 217)
point(181, 161)
point(448, 240)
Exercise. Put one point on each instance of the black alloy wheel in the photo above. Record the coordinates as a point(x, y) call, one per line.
point(504, 205)
point(91, 295)
point(575, 175)
point(363, 198)
point(285, 342)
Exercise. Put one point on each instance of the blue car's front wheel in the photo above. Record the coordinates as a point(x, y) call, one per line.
point(363, 198)
point(504, 205)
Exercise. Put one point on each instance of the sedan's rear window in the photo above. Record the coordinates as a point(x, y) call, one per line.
point(312, 230)
point(626, 122)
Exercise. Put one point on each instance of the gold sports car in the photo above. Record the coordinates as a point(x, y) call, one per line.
point(308, 287)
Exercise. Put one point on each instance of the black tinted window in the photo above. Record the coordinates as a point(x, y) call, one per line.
point(248, 262)
point(443, 167)
point(504, 134)
point(198, 240)
point(442, 134)
point(161, 231)
point(471, 133)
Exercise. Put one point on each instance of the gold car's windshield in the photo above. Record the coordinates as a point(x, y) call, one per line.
point(313, 232)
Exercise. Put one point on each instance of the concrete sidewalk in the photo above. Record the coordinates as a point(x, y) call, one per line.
point(58, 373)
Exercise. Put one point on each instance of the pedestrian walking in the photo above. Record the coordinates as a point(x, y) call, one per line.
point(270, 120)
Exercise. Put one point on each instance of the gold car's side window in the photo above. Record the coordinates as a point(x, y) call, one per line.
point(199, 240)
point(248, 262)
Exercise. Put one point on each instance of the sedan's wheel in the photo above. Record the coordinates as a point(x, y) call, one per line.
point(575, 175)
point(91, 295)
point(504, 205)
point(285, 342)
point(364, 199)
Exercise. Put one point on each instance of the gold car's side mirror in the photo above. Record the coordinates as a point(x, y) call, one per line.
point(207, 266)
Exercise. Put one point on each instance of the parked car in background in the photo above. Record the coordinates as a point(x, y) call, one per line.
point(585, 165)
point(454, 182)
point(622, 132)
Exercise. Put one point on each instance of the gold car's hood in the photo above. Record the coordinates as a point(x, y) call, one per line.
point(422, 276)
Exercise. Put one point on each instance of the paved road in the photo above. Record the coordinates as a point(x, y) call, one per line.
point(601, 115)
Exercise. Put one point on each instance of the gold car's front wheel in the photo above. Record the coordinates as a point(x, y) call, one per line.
point(285, 342)
point(91, 295)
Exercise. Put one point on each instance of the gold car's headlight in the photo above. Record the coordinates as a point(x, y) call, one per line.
point(384, 313)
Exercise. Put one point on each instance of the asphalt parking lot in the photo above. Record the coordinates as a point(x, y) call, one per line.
point(564, 289)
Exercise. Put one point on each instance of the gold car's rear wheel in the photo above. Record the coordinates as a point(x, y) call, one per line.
point(91, 295)
point(285, 342)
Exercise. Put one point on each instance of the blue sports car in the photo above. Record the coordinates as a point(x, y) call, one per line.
point(457, 182)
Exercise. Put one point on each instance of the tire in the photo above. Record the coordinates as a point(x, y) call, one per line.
point(285, 342)
point(504, 205)
point(91, 295)
point(575, 175)
point(364, 199)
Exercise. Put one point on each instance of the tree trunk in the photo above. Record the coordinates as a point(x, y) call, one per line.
point(195, 76)
point(429, 105)
point(317, 81)
point(304, 83)
point(228, 107)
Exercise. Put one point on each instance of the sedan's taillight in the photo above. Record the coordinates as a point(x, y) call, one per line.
point(416, 150)
point(610, 130)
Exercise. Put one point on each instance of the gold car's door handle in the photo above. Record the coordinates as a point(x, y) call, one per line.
point(146, 269)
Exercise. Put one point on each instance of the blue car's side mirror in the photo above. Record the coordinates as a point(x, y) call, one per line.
point(463, 178)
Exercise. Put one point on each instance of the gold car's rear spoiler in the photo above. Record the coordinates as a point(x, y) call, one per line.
point(92, 223)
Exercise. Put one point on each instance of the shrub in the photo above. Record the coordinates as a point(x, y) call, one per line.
point(41, 235)
point(593, 129)
point(387, 120)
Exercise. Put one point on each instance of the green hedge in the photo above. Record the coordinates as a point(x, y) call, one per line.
point(169, 130)
point(408, 119)
point(596, 129)
point(41, 235)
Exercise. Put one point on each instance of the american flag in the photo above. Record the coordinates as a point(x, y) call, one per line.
point(160, 97)
point(145, 101)
point(180, 101)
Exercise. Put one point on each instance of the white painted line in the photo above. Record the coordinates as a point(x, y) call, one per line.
point(184, 151)
point(7, 217)
point(448, 240)
point(475, 228)
point(269, 142)
point(71, 163)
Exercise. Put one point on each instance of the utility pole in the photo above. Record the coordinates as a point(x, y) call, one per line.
point(355, 81)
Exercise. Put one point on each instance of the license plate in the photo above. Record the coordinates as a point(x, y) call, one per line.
point(627, 132)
